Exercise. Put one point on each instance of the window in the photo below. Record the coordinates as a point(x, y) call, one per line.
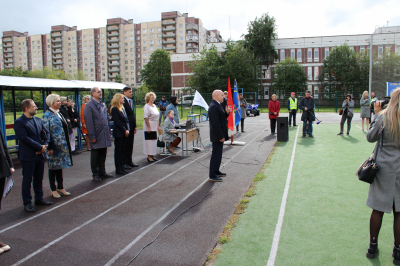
point(362, 49)
point(316, 54)
point(316, 72)
point(181, 32)
point(144, 30)
point(326, 52)
point(292, 54)
point(181, 26)
point(159, 35)
point(145, 54)
point(309, 73)
point(380, 50)
point(181, 44)
point(125, 32)
point(131, 44)
point(90, 42)
point(144, 42)
point(151, 35)
point(387, 48)
point(158, 29)
point(283, 54)
point(90, 36)
point(159, 41)
point(144, 60)
point(309, 54)
point(151, 42)
point(138, 38)
point(131, 38)
point(144, 36)
point(181, 38)
point(144, 48)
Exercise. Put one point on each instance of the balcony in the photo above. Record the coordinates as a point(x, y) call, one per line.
point(7, 45)
point(57, 56)
point(56, 40)
point(111, 76)
point(170, 48)
point(57, 51)
point(113, 70)
point(58, 67)
point(192, 40)
point(171, 28)
point(111, 28)
point(192, 50)
point(8, 55)
point(9, 39)
point(113, 58)
point(115, 63)
point(169, 42)
point(56, 34)
point(57, 63)
point(113, 34)
point(9, 66)
point(9, 61)
point(58, 45)
point(114, 46)
point(113, 52)
point(8, 50)
point(113, 40)
point(169, 22)
point(169, 35)
point(192, 27)
point(192, 46)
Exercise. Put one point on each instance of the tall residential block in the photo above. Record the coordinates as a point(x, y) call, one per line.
point(120, 48)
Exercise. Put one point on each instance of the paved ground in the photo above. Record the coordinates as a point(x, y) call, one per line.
point(108, 223)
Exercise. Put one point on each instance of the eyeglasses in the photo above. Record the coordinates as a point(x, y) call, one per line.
point(97, 91)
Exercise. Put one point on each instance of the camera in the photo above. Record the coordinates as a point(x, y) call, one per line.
point(385, 102)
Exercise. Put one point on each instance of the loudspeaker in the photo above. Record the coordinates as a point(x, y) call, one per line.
point(282, 128)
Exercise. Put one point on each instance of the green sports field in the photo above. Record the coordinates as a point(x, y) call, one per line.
point(326, 221)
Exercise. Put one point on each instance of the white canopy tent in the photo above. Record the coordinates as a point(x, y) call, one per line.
point(47, 86)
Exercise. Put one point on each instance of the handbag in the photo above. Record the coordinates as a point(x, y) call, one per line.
point(369, 168)
point(341, 112)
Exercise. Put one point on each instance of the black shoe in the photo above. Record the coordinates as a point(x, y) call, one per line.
point(150, 161)
point(74, 152)
point(347, 134)
point(131, 164)
point(295, 125)
point(290, 126)
point(28, 207)
point(340, 134)
point(243, 131)
point(396, 255)
point(221, 174)
point(106, 176)
point(154, 159)
point(126, 166)
point(96, 179)
point(311, 136)
point(303, 136)
point(218, 179)
point(43, 202)
point(121, 172)
point(372, 250)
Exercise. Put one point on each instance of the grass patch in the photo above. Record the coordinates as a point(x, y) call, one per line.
point(225, 236)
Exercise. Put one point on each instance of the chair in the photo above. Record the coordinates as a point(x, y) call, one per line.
point(163, 150)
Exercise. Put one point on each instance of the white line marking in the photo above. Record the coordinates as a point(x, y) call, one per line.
point(361, 129)
point(165, 215)
point(103, 213)
point(277, 235)
point(78, 197)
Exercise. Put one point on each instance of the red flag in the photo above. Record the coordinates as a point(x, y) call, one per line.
point(230, 104)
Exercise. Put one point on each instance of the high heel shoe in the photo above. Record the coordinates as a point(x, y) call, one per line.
point(154, 159)
point(149, 160)
point(63, 193)
point(56, 195)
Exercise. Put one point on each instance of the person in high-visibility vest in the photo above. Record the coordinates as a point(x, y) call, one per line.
point(293, 107)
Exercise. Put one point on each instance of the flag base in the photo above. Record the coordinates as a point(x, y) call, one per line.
point(236, 143)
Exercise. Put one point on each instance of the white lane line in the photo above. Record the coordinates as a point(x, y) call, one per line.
point(78, 197)
point(166, 214)
point(277, 235)
point(102, 214)
point(361, 129)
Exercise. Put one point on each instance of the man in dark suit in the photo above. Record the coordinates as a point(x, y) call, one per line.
point(99, 132)
point(130, 112)
point(33, 138)
point(218, 131)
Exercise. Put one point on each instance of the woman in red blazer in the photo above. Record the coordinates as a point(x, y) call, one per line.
point(273, 107)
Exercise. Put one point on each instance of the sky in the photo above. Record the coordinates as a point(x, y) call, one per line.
point(293, 18)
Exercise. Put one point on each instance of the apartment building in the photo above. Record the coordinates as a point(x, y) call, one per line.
point(120, 48)
point(308, 51)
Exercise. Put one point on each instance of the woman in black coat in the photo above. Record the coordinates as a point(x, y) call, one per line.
point(120, 132)
point(6, 170)
point(65, 114)
point(74, 116)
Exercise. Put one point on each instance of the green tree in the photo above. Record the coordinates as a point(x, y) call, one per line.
point(118, 78)
point(260, 37)
point(289, 76)
point(157, 72)
point(385, 68)
point(208, 71)
point(342, 70)
point(240, 64)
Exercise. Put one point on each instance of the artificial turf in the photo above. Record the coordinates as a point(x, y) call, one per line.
point(326, 220)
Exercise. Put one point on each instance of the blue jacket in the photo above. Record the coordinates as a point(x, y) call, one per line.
point(163, 105)
point(59, 143)
point(30, 140)
point(176, 112)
